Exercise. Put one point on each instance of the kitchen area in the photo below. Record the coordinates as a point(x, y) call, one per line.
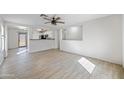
point(41, 39)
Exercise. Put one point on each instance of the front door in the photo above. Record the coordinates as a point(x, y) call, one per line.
point(22, 40)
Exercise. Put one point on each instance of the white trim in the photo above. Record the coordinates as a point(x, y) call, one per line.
point(123, 41)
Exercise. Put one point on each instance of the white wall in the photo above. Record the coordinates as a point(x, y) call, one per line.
point(0, 36)
point(13, 38)
point(6, 40)
point(102, 39)
point(40, 45)
point(56, 34)
point(73, 33)
point(123, 40)
point(1, 41)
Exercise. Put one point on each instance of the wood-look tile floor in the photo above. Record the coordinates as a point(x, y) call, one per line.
point(55, 64)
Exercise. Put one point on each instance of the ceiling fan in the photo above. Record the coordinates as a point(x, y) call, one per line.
point(52, 20)
point(41, 30)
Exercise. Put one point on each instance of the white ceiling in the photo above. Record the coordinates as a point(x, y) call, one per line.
point(35, 20)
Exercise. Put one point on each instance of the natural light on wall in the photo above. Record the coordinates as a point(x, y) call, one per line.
point(87, 64)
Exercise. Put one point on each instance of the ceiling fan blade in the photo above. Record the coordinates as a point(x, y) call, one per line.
point(47, 18)
point(60, 22)
point(47, 22)
point(45, 30)
point(58, 18)
point(43, 15)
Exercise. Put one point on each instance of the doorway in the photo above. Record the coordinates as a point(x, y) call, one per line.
point(22, 40)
